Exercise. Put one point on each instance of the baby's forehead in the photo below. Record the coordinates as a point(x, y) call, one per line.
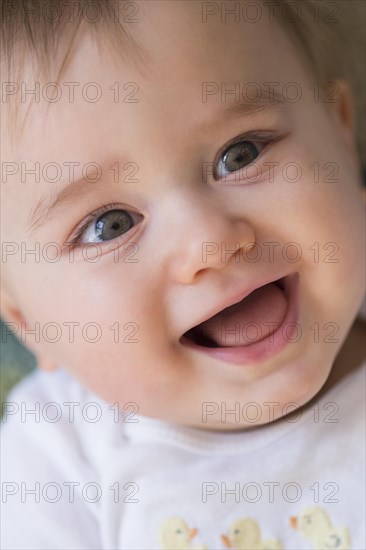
point(179, 46)
point(162, 35)
point(192, 58)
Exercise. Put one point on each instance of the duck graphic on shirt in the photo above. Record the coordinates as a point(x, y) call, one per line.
point(245, 534)
point(315, 525)
point(174, 534)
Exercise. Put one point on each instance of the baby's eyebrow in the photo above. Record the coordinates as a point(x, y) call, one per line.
point(46, 205)
point(268, 100)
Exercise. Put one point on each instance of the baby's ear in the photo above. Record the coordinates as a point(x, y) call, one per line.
point(11, 314)
point(344, 111)
point(45, 363)
point(8, 309)
point(346, 108)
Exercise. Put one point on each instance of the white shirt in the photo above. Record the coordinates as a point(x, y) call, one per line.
point(78, 475)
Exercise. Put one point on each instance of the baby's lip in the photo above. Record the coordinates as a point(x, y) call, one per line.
point(239, 295)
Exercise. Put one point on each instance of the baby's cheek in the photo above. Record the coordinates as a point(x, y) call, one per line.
point(97, 322)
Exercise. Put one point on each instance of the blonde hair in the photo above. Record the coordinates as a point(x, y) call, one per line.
point(330, 37)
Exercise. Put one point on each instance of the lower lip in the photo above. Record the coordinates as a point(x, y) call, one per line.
point(268, 346)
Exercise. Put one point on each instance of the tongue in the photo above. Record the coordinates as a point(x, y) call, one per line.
point(252, 319)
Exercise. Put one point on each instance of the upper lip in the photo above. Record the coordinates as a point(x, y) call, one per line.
point(236, 297)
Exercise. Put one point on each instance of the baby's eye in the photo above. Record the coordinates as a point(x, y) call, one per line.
point(107, 226)
point(112, 224)
point(236, 156)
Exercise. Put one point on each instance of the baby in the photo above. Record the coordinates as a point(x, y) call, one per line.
point(183, 251)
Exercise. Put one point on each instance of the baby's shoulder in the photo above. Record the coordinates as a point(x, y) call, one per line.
point(44, 398)
point(45, 387)
point(54, 414)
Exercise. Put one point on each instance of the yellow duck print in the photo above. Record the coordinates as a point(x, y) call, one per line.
point(245, 534)
point(315, 525)
point(175, 534)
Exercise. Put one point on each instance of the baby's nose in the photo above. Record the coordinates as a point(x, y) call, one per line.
point(204, 235)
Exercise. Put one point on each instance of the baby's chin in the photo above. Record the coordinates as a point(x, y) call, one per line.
point(247, 415)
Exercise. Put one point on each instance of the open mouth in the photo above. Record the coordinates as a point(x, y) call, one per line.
point(256, 317)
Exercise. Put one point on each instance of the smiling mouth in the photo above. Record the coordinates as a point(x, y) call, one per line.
point(246, 322)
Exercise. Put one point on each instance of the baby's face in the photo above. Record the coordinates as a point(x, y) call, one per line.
point(197, 222)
